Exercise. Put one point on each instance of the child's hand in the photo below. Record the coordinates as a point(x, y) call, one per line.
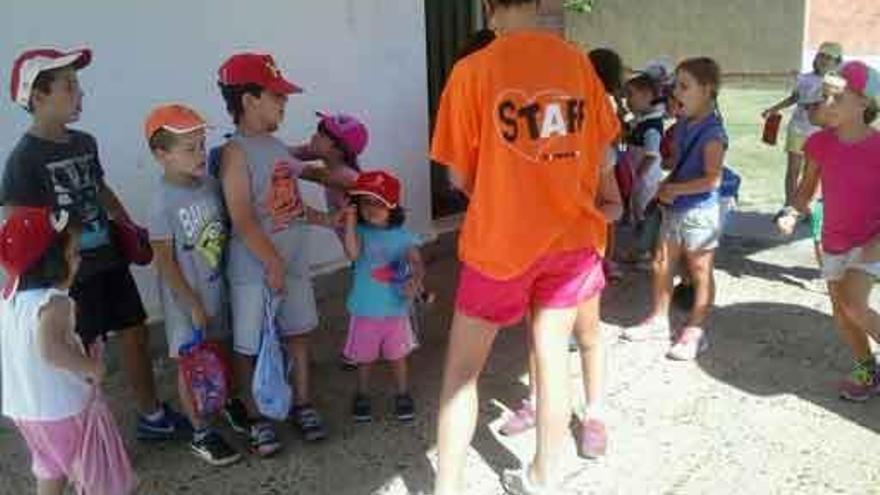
point(97, 369)
point(200, 317)
point(666, 195)
point(275, 275)
point(786, 224)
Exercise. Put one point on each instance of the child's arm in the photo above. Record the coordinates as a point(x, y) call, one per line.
point(806, 191)
point(110, 202)
point(171, 274)
point(791, 100)
point(608, 200)
point(322, 218)
point(56, 347)
point(237, 192)
point(322, 176)
point(416, 284)
point(713, 157)
point(351, 244)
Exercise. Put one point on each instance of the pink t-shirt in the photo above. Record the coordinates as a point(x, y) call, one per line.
point(850, 175)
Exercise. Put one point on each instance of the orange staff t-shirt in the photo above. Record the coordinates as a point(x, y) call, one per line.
point(525, 123)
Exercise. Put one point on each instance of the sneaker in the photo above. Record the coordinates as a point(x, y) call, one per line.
point(690, 343)
point(404, 407)
point(593, 439)
point(651, 329)
point(236, 415)
point(861, 384)
point(309, 422)
point(171, 425)
point(522, 420)
point(264, 440)
point(519, 482)
point(362, 409)
point(212, 449)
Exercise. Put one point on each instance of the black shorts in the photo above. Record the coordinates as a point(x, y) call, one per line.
point(107, 301)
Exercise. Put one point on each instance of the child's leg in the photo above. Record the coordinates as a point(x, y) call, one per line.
point(701, 267)
point(135, 342)
point(401, 376)
point(363, 382)
point(298, 350)
point(854, 337)
point(243, 368)
point(792, 176)
point(853, 291)
point(51, 487)
point(551, 329)
point(667, 255)
point(469, 344)
point(592, 354)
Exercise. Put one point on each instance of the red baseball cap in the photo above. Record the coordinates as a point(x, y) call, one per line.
point(24, 238)
point(380, 185)
point(31, 63)
point(255, 68)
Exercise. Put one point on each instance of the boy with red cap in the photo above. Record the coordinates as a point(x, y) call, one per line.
point(188, 233)
point(269, 240)
point(56, 166)
point(48, 377)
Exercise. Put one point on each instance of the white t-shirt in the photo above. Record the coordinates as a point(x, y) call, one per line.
point(807, 85)
point(33, 389)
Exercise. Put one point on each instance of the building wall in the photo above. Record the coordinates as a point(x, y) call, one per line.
point(854, 23)
point(745, 36)
point(361, 56)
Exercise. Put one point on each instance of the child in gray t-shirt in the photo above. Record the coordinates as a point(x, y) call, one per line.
point(188, 233)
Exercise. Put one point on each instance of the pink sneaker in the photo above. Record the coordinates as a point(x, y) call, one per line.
point(690, 343)
point(593, 439)
point(522, 420)
point(861, 384)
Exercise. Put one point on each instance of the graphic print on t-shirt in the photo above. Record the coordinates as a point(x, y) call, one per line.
point(537, 126)
point(284, 202)
point(75, 188)
point(204, 232)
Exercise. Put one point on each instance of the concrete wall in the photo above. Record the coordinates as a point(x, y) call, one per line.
point(854, 23)
point(362, 56)
point(745, 36)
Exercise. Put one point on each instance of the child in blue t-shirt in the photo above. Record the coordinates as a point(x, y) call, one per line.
point(388, 273)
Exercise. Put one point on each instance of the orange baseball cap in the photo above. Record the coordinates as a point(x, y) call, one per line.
point(174, 118)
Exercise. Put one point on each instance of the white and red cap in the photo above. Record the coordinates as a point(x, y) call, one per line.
point(380, 185)
point(25, 237)
point(31, 63)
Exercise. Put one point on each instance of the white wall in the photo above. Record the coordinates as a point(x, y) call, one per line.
point(366, 57)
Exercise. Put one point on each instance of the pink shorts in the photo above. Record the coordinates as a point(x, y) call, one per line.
point(54, 446)
point(371, 338)
point(561, 280)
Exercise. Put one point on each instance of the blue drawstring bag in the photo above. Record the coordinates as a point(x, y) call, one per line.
point(270, 388)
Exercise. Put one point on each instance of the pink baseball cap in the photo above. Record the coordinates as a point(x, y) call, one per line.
point(859, 77)
point(348, 130)
point(31, 63)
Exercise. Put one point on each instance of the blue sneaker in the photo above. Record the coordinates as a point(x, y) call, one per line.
point(170, 426)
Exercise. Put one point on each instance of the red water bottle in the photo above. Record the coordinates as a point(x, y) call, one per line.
point(771, 128)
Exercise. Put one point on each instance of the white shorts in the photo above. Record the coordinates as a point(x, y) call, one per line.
point(696, 229)
point(297, 312)
point(834, 266)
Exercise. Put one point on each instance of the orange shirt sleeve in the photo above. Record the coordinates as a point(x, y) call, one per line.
point(457, 128)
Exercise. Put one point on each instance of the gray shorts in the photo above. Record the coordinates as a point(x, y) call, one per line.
point(696, 229)
point(297, 312)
